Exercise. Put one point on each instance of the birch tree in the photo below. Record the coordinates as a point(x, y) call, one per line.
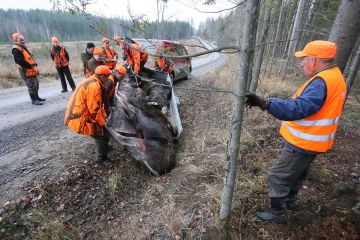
point(247, 49)
point(345, 30)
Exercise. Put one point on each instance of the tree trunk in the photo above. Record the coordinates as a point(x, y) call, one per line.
point(278, 28)
point(262, 38)
point(345, 30)
point(294, 35)
point(247, 48)
point(353, 70)
point(295, 31)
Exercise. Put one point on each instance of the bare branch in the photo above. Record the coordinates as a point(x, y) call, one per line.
point(219, 11)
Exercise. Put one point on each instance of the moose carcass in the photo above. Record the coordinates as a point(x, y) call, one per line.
point(145, 120)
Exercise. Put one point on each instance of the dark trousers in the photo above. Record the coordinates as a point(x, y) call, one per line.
point(65, 71)
point(102, 144)
point(31, 83)
point(287, 176)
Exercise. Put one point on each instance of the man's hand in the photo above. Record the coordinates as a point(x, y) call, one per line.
point(254, 100)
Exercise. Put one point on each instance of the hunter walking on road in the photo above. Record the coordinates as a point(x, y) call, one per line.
point(309, 122)
point(85, 113)
point(28, 68)
point(61, 60)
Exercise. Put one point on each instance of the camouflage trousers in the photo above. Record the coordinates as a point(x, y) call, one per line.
point(102, 144)
point(287, 176)
point(31, 83)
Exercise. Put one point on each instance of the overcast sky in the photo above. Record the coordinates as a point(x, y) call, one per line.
point(176, 9)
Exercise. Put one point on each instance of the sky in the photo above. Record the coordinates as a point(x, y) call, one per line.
point(176, 9)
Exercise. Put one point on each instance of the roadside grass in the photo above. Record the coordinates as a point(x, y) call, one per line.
point(44, 226)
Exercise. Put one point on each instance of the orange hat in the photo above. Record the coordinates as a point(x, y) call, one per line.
point(54, 40)
point(121, 69)
point(104, 39)
point(15, 36)
point(318, 49)
point(118, 38)
point(97, 51)
point(102, 70)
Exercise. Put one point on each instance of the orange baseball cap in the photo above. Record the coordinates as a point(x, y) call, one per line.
point(15, 36)
point(121, 69)
point(97, 51)
point(102, 70)
point(105, 39)
point(318, 49)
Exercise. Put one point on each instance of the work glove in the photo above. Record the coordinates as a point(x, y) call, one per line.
point(254, 100)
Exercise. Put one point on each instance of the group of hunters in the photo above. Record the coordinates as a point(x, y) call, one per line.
point(309, 118)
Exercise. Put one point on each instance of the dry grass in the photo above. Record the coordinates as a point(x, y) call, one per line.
point(47, 227)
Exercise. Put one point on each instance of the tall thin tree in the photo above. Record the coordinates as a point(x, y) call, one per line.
point(247, 48)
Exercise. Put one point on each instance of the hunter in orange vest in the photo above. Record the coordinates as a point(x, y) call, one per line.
point(110, 56)
point(309, 122)
point(85, 113)
point(163, 64)
point(61, 61)
point(28, 68)
point(136, 55)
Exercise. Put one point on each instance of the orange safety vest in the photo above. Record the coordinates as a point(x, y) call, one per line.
point(85, 113)
point(161, 63)
point(110, 53)
point(29, 72)
point(316, 133)
point(134, 57)
point(60, 60)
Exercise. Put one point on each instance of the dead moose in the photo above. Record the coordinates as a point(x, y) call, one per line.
point(146, 120)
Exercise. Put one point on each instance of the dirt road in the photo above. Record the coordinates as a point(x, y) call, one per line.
point(36, 146)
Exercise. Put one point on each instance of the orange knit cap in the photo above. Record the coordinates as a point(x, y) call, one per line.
point(118, 38)
point(318, 49)
point(104, 39)
point(102, 70)
point(121, 69)
point(15, 36)
point(54, 40)
point(97, 51)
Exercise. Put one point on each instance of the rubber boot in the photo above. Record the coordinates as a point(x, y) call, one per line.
point(276, 213)
point(34, 99)
point(103, 159)
point(290, 201)
point(39, 98)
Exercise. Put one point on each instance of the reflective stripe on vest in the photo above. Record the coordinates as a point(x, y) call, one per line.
point(309, 137)
point(317, 132)
point(60, 59)
point(320, 122)
point(29, 72)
